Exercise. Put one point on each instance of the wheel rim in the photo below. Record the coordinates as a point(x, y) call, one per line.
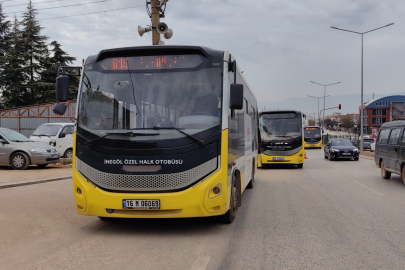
point(382, 169)
point(69, 154)
point(18, 161)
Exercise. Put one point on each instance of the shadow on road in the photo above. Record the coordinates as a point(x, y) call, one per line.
point(175, 226)
point(278, 167)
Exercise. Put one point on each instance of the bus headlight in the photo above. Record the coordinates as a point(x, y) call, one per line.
point(52, 142)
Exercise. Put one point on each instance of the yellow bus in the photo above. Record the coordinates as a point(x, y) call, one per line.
point(313, 137)
point(161, 132)
point(281, 138)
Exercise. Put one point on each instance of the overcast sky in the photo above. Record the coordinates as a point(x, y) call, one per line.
point(281, 45)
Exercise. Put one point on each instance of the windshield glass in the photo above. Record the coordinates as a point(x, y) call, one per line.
point(281, 126)
point(341, 143)
point(144, 92)
point(312, 132)
point(13, 136)
point(49, 130)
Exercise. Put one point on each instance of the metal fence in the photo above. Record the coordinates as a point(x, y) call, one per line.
point(26, 119)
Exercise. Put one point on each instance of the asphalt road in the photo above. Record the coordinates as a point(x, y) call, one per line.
point(328, 215)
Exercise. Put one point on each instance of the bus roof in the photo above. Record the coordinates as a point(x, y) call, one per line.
point(156, 50)
point(279, 111)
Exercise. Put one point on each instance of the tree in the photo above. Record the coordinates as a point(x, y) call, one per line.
point(347, 121)
point(13, 76)
point(35, 50)
point(5, 27)
point(311, 122)
point(48, 75)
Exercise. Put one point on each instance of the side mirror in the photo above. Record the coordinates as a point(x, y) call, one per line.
point(62, 88)
point(59, 108)
point(62, 135)
point(236, 97)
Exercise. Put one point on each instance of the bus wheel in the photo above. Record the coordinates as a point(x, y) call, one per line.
point(300, 166)
point(233, 204)
point(251, 183)
point(403, 174)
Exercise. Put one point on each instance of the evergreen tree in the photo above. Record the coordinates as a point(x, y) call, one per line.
point(35, 51)
point(13, 77)
point(4, 44)
point(48, 75)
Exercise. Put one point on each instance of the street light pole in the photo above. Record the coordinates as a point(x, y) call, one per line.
point(362, 104)
point(319, 119)
point(324, 93)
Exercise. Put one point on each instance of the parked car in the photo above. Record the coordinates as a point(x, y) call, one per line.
point(19, 152)
point(367, 143)
point(340, 148)
point(390, 149)
point(59, 135)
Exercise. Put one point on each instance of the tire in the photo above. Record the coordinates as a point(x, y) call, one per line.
point(326, 157)
point(68, 153)
point(42, 165)
point(20, 161)
point(251, 183)
point(230, 215)
point(356, 159)
point(384, 173)
point(403, 174)
point(300, 166)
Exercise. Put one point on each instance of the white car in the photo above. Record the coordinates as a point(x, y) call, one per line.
point(59, 135)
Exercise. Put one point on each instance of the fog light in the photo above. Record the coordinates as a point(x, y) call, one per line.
point(79, 191)
point(216, 190)
point(109, 211)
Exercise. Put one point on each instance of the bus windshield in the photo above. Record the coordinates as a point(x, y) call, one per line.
point(137, 93)
point(312, 133)
point(280, 126)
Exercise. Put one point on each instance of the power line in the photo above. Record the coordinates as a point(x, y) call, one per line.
point(33, 3)
point(89, 13)
point(60, 6)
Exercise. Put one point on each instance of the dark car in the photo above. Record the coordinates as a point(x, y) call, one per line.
point(367, 144)
point(390, 149)
point(341, 148)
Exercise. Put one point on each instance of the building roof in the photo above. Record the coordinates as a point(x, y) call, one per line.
point(375, 103)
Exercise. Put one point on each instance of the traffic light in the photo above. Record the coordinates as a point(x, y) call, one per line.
point(340, 106)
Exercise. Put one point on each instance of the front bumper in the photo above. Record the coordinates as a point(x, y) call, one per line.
point(196, 201)
point(44, 158)
point(337, 155)
point(295, 159)
point(313, 144)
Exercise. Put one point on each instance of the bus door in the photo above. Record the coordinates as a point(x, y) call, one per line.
point(248, 148)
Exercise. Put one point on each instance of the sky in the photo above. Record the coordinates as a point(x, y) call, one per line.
point(280, 45)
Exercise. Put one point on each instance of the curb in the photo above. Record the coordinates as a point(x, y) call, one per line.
point(34, 183)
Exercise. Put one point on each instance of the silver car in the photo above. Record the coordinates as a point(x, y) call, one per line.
point(19, 152)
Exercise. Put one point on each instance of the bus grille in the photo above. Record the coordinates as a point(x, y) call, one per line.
point(282, 153)
point(153, 182)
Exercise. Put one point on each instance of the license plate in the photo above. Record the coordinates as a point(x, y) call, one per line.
point(141, 204)
point(346, 154)
point(53, 156)
point(278, 158)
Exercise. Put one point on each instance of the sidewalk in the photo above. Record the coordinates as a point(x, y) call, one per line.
point(367, 155)
point(33, 174)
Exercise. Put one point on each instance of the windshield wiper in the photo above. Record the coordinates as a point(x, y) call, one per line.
point(89, 143)
point(201, 142)
point(39, 135)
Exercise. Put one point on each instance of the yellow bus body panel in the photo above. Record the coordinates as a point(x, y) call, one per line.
point(313, 145)
point(297, 158)
point(196, 201)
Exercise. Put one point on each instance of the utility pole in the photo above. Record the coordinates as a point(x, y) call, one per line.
point(155, 16)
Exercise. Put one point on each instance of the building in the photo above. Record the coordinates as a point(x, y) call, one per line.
point(386, 109)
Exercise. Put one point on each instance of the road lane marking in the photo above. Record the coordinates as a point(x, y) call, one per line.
point(369, 188)
point(201, 263)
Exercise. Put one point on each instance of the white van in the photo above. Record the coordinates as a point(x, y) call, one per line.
point(59, 135)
